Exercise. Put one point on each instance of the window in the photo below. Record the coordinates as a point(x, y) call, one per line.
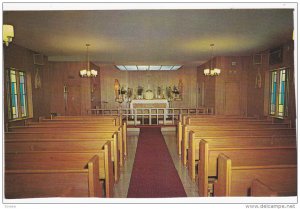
point(17, 95)
point(278, 92)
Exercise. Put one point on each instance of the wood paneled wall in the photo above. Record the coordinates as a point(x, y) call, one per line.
point(227, 93)
point(22, 59)
point(241, 72)
point(260, 105)
point(148, 80)
point(81, 93)
point(236, 72)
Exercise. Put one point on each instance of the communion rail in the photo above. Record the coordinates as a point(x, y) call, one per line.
point(152, 116)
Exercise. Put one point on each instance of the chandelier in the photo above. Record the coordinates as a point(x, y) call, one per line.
point(212, 71)
point(88, 72)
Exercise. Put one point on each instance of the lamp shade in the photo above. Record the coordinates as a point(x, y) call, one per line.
point(206, 71)
point(8, 34)
point(217, 71)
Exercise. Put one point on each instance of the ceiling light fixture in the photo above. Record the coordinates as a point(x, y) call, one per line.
point(148, 67)
point(212, 71)
point(8, 34)
point(88, 72)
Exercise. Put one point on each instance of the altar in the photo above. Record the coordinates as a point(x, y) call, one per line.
point(149, 109)
point(149, 103)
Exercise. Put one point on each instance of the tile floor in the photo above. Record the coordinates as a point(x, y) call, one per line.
point(121, 187)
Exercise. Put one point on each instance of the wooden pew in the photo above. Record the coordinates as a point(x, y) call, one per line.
point(79, 124)
point(54, 183)
point(73, 141)
point(259, 189)
point(255, 131)
point(75, 129)
point(277, 170)
point(227, 141)
point(215, 121)
point(210, 150)
point(190, 119)
point(118, 119)
point(99, 124)
point(57, 156)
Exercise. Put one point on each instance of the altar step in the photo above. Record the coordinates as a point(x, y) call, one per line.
point(146, 122)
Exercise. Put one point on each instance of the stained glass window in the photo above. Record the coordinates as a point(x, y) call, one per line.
point(17, 96)
point(278, 92)
point(23, 94)
point(14, 94)
point(273, 92)
point(282, 85)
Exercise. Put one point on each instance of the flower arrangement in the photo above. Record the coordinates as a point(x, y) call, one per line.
point(159, 93)
point(129, 92)
point(175, 90)
point(169, 92)
point(140, 90)
point(123, 91)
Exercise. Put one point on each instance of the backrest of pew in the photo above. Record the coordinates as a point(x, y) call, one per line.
point(212, 119)
point(54, 183)
point(69, 125)
point(246, 132)
point(232, 132)
point(62, 128)
point(229, 142)
point(259, 189)
point(72, 141)
point(253, 156)
point(232, 126)
point(240, 152)
point(79, 122)
point(235, 180)
point(53, 145)
point(66, 158)
point(118, 119)
point(238, 124)
point(63, 159)
point(246, 141)
point(190, 118)
point(42, 128)
point(182, 132)
point(61, 135)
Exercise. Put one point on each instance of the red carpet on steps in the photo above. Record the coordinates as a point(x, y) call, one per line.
point(154, 174)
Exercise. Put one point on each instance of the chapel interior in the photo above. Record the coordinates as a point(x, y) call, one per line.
point(217, 79)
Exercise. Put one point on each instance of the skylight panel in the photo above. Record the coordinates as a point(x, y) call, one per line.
point(131, 67)
point(121, 67)
point(176, 67)
point(154, 67)
point(166, 67)
point(143, 67)
point(147, 67)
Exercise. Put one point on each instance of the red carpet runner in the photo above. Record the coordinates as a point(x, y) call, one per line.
point(154, 174)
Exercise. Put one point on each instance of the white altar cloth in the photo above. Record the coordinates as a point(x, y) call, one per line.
point(151, 103)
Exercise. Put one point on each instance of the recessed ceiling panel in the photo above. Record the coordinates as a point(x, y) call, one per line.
point(148, 67)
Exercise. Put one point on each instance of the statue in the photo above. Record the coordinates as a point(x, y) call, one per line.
point(180, 88)
point(117, 88)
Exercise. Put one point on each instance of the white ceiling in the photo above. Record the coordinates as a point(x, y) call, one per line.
point(150, 37)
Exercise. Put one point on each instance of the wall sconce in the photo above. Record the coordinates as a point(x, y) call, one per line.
point(8, 33)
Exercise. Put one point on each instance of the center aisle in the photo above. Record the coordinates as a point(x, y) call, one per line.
point(154, 174)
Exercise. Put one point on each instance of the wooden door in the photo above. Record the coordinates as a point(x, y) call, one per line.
point(232, 98)
point(73, 103)
point(200, 95)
